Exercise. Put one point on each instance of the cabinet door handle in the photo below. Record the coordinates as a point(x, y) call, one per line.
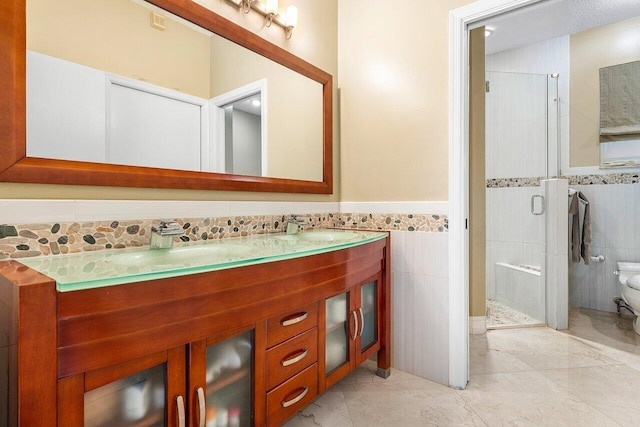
point(355, 319)
point(296, 318)
point(299, 357)
point(180, 403)
point(296, 399)
point(201, 406)
point(361, 321)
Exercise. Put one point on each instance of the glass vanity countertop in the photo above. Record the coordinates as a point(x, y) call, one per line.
point(115, 267)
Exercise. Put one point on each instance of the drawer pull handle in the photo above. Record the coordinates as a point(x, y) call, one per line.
point(296, 399)
point(296, 318)
point(201, 406)
point(361, 321)
point(355, 330)
point(299, 357)
point(181, 418)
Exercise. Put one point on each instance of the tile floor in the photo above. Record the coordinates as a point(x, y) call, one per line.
point(588, 375)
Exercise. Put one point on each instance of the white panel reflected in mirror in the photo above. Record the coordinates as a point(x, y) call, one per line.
point(166, 80)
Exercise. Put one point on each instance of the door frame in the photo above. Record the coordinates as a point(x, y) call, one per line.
point(217, 117)
point(460, 21)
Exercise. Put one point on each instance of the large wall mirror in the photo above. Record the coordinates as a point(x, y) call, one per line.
point(164, 94)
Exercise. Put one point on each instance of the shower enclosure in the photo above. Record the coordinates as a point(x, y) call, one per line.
point(521, 152)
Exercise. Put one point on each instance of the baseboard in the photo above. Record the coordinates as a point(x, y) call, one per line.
point(477, 325)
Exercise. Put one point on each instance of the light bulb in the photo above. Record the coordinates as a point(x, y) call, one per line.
point(292, 16)
point(272, 7)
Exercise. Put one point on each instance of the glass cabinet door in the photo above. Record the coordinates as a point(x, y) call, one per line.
point(136, 400)
point(337, 335)
point(229, 379)
point(368, 314)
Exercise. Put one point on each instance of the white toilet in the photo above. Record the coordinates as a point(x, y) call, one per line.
point(629, 288)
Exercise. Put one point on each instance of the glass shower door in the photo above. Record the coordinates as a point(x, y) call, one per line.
point(517, 159)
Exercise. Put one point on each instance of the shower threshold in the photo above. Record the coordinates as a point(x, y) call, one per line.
point(501, 316)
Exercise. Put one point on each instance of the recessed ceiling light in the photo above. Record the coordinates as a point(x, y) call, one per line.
point(488, 31)
point(255, 102)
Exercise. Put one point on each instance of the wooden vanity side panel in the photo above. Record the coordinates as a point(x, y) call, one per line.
point(31, 299)
point(384, 354)
point(155, 315)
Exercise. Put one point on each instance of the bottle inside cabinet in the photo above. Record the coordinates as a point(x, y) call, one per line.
point(336, 352)
point(137, 400)
point(229, 382)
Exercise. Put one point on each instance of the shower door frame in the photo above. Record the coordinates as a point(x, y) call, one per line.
point(524, 78)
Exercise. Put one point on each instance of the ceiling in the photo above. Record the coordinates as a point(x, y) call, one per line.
point(553, 18)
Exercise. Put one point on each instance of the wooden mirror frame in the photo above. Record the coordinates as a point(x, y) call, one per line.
point(15, 166)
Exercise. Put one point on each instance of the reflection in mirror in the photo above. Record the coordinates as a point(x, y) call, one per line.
point(242, 136)
point(140, 90)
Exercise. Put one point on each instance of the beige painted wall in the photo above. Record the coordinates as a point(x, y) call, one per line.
point(591, 50)
point(294, 108)
point(477, 180)
point(394, 89)
point(116, 36)
point(315, 40)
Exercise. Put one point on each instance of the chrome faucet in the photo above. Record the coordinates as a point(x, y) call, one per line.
point(162, 235)
point(294, 223)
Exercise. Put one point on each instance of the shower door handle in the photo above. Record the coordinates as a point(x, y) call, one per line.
point(533, 204)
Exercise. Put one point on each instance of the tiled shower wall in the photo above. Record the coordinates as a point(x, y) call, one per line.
point(614, 201)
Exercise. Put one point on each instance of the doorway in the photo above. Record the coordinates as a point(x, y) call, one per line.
point(461, 20)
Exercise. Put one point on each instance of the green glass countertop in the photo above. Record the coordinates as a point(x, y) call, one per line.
point(116, 267)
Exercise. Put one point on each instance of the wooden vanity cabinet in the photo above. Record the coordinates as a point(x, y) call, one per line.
point(72, 343)
point(351, 329)
point(143, 391)
point(291, 374)
point(212, 378)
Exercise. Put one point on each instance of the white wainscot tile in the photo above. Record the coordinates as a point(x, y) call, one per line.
point(420, 253)
point(622, 221)
point(587, 284)
point(421, 325)
point(36, 211)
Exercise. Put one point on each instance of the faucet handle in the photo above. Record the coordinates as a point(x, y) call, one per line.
point(167, 226)
point(300, 221)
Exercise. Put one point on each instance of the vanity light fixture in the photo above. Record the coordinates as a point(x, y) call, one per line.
point(288, 21)
point(488, 31)
point(272, 11)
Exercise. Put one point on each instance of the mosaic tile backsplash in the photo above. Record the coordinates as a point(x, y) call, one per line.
point(30, 240)
point(613, 178)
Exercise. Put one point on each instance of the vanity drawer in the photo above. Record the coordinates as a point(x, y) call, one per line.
point(290, 324)
point(288, 398)
point(291, 357)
